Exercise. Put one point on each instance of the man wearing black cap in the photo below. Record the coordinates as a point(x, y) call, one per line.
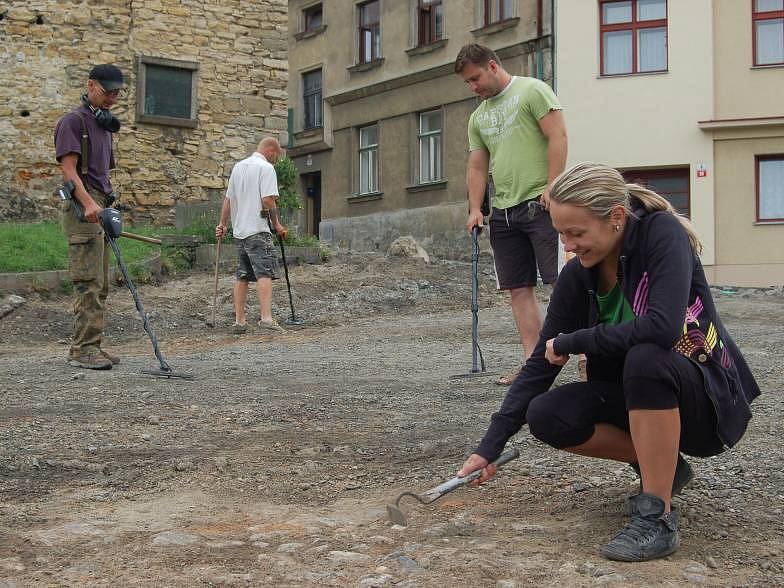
point(83, 146)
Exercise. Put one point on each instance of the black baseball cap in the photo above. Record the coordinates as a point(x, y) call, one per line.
point(109, 76)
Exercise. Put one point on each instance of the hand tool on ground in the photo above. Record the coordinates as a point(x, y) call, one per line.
point(292, 320)
point(430, 496)
point(112, 226)
point(215, 286)
point(475, 349)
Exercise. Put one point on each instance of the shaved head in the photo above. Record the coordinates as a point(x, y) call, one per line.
point(270, 149)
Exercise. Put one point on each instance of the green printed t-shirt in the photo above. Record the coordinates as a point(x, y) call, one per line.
point(614, 309)
point(507, 126)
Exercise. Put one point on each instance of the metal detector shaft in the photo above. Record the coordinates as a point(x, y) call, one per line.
point(145, 323)
point(474, 297)
point(437, 492)
point(286, 272)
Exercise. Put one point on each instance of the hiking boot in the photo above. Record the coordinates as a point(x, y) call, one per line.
point(91, 360)
point(650, 534)
point(271, 325)
point(239, 329)
point(683, 476)
point(111, 357)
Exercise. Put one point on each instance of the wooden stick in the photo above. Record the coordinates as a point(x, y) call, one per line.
point(215, 288)
point(141, 238)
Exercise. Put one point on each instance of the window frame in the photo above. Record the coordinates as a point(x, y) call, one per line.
point(427, 15)
point(634, 26)
point(487, 12)
point(439, 135)
point(307, 94)
point(757, 16)
point(757, 160)
point(662, 172)
point(141, 90)
point(374, 28)
point(373, 148)
point(307, 14)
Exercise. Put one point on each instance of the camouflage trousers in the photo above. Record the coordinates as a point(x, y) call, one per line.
point(88, 266)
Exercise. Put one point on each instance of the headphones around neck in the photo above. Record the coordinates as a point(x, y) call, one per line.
point(104, 118)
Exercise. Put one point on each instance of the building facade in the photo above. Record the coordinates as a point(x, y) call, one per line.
point(378, 117)
point(685, 98)
point(204, 81)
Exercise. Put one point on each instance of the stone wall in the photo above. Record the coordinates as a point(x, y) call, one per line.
point(47, 48)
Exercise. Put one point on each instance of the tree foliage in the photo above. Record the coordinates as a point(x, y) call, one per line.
point(288, 178)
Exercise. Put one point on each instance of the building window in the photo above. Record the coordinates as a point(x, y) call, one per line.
point(633, 36)
point(430, 147)
point(768, 23)
point(166, 92)
point(369, 32)
point(672, 184)
point(770, 188)
point(368, 159)
point(431, 21)
point(496, 11)
point(312, 18)
point(311, 98)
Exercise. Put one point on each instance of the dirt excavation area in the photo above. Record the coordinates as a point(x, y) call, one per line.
point(273, 466)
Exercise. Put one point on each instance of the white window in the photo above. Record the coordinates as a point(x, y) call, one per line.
point(768, 17)
point(633, 36)
point(770, 188)
point(430, 166)
point(368, 159)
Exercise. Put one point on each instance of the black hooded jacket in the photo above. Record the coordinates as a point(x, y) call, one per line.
point(664, 282)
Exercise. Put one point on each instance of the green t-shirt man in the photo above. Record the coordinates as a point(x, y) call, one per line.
point(507, 126)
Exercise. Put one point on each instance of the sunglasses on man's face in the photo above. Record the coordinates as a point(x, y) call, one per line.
point(111, 93)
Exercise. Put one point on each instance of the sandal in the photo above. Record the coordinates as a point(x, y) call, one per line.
point(508, 378)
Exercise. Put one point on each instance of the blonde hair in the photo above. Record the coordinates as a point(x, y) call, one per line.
point(600, 188)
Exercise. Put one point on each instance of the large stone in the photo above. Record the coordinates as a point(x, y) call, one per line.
point(408, 247)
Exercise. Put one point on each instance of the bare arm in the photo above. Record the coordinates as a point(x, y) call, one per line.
point(89, 206)
point(476, 179)
point(269, 203)
point(553, 127)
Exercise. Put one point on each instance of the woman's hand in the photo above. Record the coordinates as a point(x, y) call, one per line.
point(552, 356)
point(477, 462)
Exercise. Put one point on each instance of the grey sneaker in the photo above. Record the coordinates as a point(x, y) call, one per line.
point(271, 325)
point(111, 357)
point(90, 360)
point(239, 329)
point(650, 534)
point(683, 476)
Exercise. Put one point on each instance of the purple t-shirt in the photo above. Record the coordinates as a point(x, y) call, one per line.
point(68, 139)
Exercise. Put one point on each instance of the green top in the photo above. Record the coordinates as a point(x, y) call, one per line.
point(507, 126)
point(614, 309)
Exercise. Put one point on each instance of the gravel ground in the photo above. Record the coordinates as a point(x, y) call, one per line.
point(274, 465)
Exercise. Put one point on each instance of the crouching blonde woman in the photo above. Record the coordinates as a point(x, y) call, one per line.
point(664, 376)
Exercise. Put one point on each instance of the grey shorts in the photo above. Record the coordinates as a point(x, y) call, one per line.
point(257, 258)
point(523, 238)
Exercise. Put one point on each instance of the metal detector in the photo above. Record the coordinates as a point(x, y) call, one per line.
point(476, 351)
point(112, 225)
point(292, 320)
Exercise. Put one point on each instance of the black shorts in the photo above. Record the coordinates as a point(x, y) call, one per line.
point(653, 378)
point(257, 258)
point(523, 238)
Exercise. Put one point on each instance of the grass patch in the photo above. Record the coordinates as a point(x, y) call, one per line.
point(31, 247)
